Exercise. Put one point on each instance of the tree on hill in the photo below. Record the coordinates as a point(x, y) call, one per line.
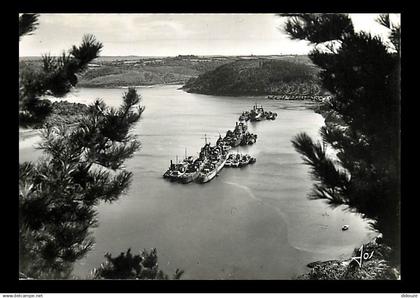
point(362, 124)
point(252, 77)
point(56, 77)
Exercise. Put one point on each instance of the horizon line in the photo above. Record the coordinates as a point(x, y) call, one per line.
point(163, 56)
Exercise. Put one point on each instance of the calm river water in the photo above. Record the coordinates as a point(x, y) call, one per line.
point(250, 223)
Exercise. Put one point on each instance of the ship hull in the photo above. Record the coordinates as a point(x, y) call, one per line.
point(204, 178)
point(188, 178)
point(175, 178)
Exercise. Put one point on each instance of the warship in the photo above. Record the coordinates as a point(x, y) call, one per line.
point(216, 161)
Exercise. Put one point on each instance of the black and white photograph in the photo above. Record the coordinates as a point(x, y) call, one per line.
point(209, 146)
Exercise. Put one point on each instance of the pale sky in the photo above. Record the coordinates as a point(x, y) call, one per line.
point(174, 34)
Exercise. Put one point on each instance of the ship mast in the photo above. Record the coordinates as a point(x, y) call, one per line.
point(205, 139)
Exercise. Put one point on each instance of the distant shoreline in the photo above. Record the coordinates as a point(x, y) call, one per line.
point(111, 86)
point(135, 57)
point(29, 137)
point(26, 133)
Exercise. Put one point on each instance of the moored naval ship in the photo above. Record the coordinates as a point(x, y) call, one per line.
point(213, 158)
point(248, 139)
point(234, 138)
point(238, 160)
point(175, 171)
point(195, 166)
point(270, 115)
point(192, 171)
point(244, 116)
point(217, 157)
point(257, 114)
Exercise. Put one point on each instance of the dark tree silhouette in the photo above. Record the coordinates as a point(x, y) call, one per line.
point(318, 27)
point(28, 22)
point(362, 124)
point(56, 76)
point(82, 166)
point(126, 266)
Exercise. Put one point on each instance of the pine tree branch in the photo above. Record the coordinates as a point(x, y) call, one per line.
point(28, 23)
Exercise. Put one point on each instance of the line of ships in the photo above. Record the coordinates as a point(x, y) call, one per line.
point(319, 98)
point(212, 159)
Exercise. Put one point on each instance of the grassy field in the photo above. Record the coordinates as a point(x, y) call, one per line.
point(136, 70)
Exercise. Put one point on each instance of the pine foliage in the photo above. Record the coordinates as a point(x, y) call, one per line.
point(28, 22)
point(361, 119)
point(82, 166)
point(127, 266)
point(318, 27)
point(56, 77)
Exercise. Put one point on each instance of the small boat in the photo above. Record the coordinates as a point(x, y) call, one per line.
point(175, 171)
point(230, 160)
point(252, 138)
point(244, 160)
point(257, 113)
point(177, 174)
point(235, 163)
point(244, 116)
point(168, 173)
point(345, 227)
